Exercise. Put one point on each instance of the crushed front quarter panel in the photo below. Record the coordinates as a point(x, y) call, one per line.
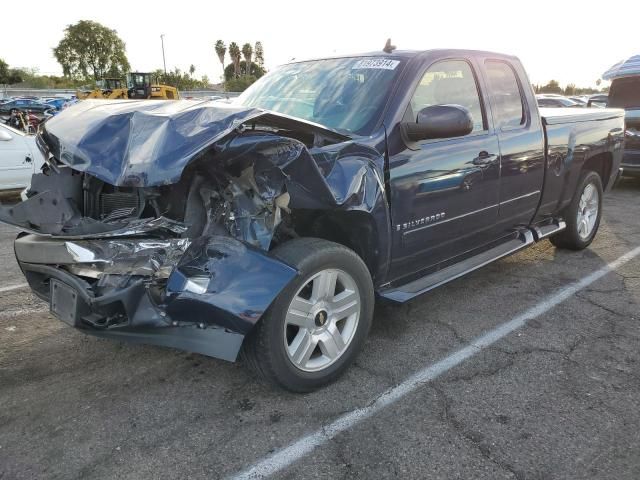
point(205, 273)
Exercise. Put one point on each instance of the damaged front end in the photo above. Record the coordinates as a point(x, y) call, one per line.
point(154, 223)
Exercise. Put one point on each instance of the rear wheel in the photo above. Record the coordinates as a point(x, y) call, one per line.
point(318, 324)
point(582, 215)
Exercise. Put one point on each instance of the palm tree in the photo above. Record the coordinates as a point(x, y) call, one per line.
point(192, 70)
point(234, 53)
point(259, 54)
point(221, 50)
point(247, 53)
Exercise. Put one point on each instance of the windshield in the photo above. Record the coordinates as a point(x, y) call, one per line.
point(344, 94)
point(625, 92)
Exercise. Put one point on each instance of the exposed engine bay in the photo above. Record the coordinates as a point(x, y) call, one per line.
point(174, 236)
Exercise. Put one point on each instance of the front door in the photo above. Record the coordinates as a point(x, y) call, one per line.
point(444, 192)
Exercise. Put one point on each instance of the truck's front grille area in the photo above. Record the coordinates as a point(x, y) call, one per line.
point(118, 205)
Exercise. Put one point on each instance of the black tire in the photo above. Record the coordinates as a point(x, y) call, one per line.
point(570, 238)
point(264, 349)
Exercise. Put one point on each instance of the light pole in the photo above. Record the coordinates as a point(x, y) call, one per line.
point(163, 60)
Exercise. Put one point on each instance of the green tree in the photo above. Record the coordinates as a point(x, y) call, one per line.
point(552, 87)
point(259, 54)
point(247, 53)
point(235, 54)
point(90, 50)
point(570, 89)
point(239, 84)
point(181, 80)
point(256, 70)
point(221, 50)
point(8, 76)
point(192, 70)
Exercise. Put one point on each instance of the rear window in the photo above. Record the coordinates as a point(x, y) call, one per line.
point(625, 93)
point(505, 93)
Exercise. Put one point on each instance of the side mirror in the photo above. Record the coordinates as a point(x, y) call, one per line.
point(440, 121)
point(5, 136)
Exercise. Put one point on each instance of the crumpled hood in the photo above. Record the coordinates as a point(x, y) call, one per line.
point(144, 143)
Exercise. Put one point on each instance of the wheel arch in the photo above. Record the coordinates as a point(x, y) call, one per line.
point(601, 163)
point(355, 229)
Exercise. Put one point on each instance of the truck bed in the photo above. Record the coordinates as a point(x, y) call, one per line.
point(554, 116)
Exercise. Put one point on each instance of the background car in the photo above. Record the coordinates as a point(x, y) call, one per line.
point(557, 102)
point(19, 158)
point(580, 100)
point(57, 103)
point(598, 100)
point(25, 104)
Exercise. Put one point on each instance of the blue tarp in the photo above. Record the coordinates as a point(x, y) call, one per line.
point(624, 68)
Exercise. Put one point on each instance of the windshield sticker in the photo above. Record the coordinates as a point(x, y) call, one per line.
point(376, 63)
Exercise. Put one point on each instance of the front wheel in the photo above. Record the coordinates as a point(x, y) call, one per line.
point(318, 324)
point(582, 215)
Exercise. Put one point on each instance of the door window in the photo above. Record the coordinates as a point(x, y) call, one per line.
point(505, 94)
point(449, 82)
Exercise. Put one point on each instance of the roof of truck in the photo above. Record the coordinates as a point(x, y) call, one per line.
point(413, 53)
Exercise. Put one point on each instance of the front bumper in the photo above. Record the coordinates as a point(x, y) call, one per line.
point(202, 296)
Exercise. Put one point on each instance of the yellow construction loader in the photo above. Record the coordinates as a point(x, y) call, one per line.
point(139, 86)
point(107, 88)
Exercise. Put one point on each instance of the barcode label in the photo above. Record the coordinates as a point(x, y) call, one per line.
point(377, 63)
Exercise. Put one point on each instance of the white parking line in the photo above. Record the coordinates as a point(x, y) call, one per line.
point(22, 311)
point(13, 287)
point(294, 452)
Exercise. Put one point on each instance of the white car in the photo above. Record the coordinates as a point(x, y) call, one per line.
point(19, 158)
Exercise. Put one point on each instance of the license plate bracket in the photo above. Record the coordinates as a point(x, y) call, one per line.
point(64, 302)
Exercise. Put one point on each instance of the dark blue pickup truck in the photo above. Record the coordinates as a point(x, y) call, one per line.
point(268, 226)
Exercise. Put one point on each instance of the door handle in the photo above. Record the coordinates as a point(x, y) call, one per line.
point(484, 158)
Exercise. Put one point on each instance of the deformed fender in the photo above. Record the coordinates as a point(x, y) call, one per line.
point(332, 179)
point(224, 282)
point(354, 175)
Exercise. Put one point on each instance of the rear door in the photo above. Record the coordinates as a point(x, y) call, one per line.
point(444, 192)
point(519, 131)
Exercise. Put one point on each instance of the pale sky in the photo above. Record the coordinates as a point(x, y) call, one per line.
point(569, 41)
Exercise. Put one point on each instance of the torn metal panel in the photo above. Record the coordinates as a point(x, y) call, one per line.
point(222, 281)
point(354, 174)
point(47, 212)
point(213, 342)
point(51, 214)
point(214, 283)
point(92, 258)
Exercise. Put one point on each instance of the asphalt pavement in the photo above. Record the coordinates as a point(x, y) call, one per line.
point(558, 398)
